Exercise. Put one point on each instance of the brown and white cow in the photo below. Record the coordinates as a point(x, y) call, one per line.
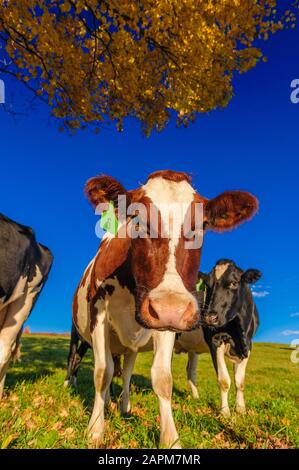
point(138, 283)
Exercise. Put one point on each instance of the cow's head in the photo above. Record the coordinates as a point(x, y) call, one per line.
point(165, 269)
point(226, 290)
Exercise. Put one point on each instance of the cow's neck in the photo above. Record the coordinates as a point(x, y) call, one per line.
point(121, 308)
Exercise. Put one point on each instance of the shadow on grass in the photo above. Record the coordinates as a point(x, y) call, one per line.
point(139, 384)
point(40, 357)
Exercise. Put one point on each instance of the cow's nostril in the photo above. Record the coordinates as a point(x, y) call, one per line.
point(168, 312)
point(153, 312)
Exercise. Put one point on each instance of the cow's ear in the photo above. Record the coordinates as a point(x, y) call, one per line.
point(251, 276)
point(229, 209)
point(103, 189)
point(207, 278)
point(202, 276)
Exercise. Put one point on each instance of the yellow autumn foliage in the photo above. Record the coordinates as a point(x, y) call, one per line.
point(96, 61)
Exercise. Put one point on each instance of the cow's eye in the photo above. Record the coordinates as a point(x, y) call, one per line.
point(233, 285)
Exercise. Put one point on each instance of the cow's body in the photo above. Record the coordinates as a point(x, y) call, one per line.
point(24, 267)
point(231, 321)
point(142, 285)
point(219, 344)
point(115, 300)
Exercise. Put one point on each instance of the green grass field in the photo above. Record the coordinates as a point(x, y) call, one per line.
point(37, 412)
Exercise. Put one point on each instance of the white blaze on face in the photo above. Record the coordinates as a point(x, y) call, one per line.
point(173, 200)
point(220, 270)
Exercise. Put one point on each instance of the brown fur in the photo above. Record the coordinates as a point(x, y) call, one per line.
point(111, 255)
point(99, 295)
point(163, 386)
point(85, 277)
point(75, 307)
point(230, 209)
point(102, 189)
point(171, 175)
point(187, 262)
point(150, 258)
point(102, 380)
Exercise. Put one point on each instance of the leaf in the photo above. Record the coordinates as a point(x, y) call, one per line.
point(286, 421)
point(6, 443)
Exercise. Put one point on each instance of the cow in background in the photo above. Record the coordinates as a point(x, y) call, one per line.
point(24, 268)
point(230, 320)
point(138, 284)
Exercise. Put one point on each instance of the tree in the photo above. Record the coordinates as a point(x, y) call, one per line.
point(96, 61)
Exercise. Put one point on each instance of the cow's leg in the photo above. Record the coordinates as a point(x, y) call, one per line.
point(17, 312)
point(117, 373)
point(103, 374)
point(129, 361)
point(224, 381)
point(75, 357)
point(162, 385)
point(240, 370)
point(71, 360)
point(3, 364)
point(3, 370)
point(191, 373)
point(108, 395)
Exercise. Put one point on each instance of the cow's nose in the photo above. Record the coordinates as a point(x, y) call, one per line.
point(164, 309)
point(172, 311)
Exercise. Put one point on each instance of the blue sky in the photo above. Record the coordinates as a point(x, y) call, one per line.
point(251, 145)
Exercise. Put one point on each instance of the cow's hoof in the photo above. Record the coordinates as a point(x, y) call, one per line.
point(95, 440)
point(225, 412)
point(125, 408)
point(72, 381)
point(241, 410)
point(176, 445)
point(195, 395)
point(170, 444)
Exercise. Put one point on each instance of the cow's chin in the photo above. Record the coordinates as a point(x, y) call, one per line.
point(148, 318)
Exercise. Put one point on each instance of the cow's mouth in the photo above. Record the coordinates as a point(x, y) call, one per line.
point(148, 326)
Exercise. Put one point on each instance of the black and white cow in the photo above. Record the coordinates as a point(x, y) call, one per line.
point(24, 267)
point(230, 320)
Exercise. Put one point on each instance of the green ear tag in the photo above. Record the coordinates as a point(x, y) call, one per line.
point(200, 285)
point(109, 221)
